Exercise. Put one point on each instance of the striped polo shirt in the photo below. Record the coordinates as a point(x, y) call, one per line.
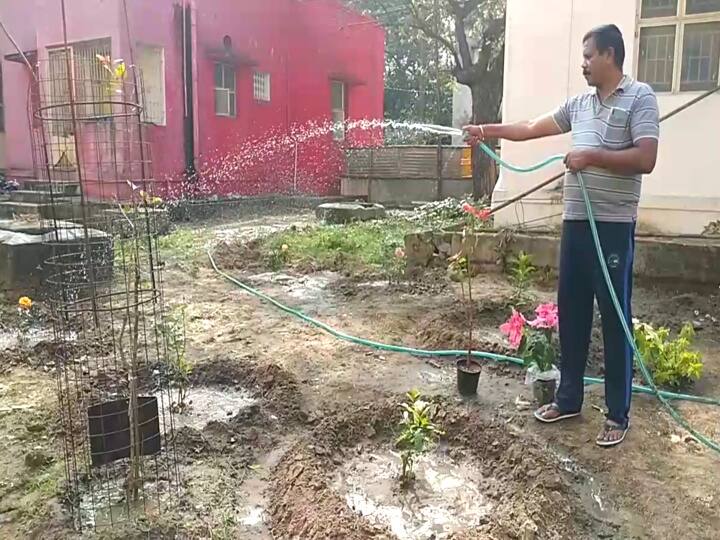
point(617, 123)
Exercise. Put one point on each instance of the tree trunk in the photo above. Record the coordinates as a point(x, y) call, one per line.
point(483, 170)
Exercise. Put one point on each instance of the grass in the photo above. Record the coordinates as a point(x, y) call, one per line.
point(183, 247)
point(358, 247)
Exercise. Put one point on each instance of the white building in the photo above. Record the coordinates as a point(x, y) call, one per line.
point(672, 44)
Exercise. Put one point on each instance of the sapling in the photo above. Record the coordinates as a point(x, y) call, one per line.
point(418, 433)
point(522, 272)
point(459, 270)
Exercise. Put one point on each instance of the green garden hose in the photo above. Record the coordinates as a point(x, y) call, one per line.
point(651, 387)
point(430, 353)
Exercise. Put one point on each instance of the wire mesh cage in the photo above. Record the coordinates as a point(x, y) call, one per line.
point(115, 366)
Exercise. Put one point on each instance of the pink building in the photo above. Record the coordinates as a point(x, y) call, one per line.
point(230, 86)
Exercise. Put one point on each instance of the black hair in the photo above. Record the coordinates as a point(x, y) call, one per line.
point(607, 36)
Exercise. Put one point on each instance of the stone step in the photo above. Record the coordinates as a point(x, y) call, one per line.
point(32, 196)
point(70, 189)
point(14, 209)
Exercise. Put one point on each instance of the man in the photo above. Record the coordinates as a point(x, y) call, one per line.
point(615, 133)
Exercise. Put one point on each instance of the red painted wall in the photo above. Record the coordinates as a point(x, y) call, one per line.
point(302, 45)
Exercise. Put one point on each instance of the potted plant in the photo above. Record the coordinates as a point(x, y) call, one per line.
point(468, 370)
point(536, 344)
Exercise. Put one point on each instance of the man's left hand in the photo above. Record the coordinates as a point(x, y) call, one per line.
point(578, 160)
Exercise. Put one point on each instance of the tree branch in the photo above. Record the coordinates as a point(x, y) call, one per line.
point(421, 24)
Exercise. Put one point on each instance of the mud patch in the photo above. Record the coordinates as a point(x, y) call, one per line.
point(519, 480)
point(276, 388)
point(444, 498)
point(205, 405)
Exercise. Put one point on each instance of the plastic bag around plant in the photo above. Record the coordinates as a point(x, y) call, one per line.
point(534, 374)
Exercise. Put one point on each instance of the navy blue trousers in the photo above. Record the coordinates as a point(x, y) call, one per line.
point(581, 282)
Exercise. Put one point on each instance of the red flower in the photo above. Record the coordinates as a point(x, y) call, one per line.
point(482, 215)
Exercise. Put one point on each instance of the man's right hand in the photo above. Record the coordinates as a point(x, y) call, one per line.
point(474, 134)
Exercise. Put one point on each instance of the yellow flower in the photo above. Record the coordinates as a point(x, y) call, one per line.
point(25, 303)
point(156, 201)
point(284, 247)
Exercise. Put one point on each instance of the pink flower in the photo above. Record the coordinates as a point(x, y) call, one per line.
point(547, 316)
point(513, 328)
point(399, 253)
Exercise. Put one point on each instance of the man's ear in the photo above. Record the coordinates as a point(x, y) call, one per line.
point(610, 52)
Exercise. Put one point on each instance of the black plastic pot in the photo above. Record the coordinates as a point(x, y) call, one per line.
point(468, 376)
point(544, 391)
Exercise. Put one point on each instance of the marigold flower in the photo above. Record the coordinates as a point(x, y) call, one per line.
point(25, 302)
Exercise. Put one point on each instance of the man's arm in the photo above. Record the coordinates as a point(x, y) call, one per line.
point(544, 126)
point(640, 159)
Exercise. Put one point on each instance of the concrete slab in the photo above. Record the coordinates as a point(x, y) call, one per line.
point(335, 213)
point(25, 248)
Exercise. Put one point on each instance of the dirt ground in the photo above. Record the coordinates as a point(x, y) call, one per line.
point(267, 470)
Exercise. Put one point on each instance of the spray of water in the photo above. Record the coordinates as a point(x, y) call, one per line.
point(304, 159)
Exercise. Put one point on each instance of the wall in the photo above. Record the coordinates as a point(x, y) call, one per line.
point(19, 19)
point(157, 23)
point(303, 45)
point(542, 68)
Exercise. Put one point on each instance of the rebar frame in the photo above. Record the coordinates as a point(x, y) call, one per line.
point(105, 286)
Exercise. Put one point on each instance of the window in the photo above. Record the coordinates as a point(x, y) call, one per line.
point(679, 47)
point(91, 80)
point(339, 107)
point(224, 90)
point(261, 86)
point(151, 61)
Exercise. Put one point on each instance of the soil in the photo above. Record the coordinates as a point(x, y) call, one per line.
point(269, 469)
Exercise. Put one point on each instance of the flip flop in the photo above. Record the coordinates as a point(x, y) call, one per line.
point(607, 428)
point(538, 414)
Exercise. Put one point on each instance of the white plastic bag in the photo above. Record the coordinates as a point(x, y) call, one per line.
point(534, 374)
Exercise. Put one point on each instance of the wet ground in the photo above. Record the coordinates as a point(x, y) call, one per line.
point(299, 443)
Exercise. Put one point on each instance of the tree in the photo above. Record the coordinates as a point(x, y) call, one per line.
point(418, 77)
point(471, 35)
point(477, 61)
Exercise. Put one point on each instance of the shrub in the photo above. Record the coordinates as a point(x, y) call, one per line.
point(672, 362)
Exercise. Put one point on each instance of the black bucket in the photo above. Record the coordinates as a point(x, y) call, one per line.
point(468, 376)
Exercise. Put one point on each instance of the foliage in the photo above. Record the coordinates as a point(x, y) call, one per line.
point(174, 334)
point(522, 273)
point(534, 340)
point(672, 362)
point(355, 247)
point(395, 266)
point(418, 433)
point(418, 81)
point(184, 247)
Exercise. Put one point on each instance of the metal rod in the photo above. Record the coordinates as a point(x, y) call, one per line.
point(19, 50)
point(78, 158)
point(544, 183)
